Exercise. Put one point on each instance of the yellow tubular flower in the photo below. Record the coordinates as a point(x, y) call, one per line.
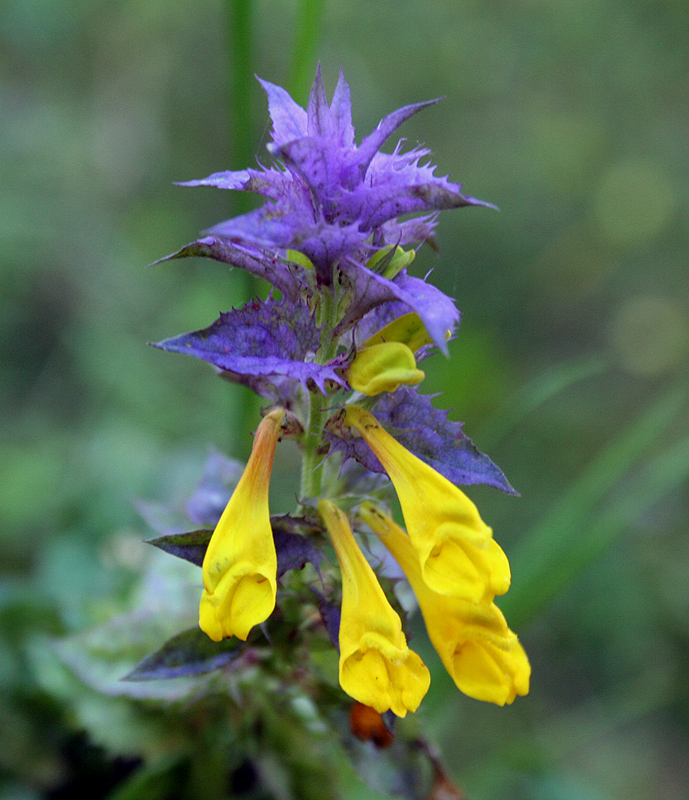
point(483, 656)
point(457, 553)
point(376, 666)
point(240, 565)
point(382, 368)
point(387, 359)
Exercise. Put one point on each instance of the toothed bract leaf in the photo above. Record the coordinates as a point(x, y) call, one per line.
point(189, 653)
point(428, 433)
point(293, 549)
point(369, 290)
point(264, 338)
point(190, 546)
point(285, 277)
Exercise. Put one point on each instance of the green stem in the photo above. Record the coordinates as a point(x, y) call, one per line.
point(312, 466)
point(311, 469)
point(309, 20)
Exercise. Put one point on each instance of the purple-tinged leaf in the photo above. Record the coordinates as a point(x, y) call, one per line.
point(437, 311)
point(270, 183)
point(427, 433)
point(410, 232)
point(294, 542)
point(229, 179)
point(264, 338)
point(311, 159)
point(289, 118)
point(190, 546)
point(359, 164)
point(341, 108)
point(293, 546)
point(189, 653)
point(319, 120)
point(294, 552)
point(255, 261)
point(398, 185)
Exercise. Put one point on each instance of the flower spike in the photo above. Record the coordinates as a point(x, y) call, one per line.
point(483, 656)
point(240, 565)
point(457, 553)
point(336, 349)
point(376, 666)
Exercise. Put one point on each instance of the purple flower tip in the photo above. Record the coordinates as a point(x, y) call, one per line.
point(328, 197)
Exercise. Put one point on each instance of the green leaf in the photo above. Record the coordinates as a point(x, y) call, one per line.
point(188, 653)
point(156, 781)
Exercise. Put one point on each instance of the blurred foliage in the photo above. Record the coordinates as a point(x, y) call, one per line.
point(573, 117)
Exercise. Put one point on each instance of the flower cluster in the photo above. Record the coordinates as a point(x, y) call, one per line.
point(334, 351)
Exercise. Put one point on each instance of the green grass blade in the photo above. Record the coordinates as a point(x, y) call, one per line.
point(240, 85)
point(534, 394)
point(309, 18)
point(570, 536)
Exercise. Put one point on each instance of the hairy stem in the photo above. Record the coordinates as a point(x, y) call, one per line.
point(318, 410)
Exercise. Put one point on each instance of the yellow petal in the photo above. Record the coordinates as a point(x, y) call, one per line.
point(483, 656)
point(456, 549)
point(240, 565)
point(382, 368)
point(384, 679)
point(407, 329)
point(376, 666)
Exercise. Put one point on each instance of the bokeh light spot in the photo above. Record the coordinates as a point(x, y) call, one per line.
point(649, 334)
point(634, 201)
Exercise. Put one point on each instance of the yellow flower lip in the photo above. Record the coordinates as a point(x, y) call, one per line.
point(482, 655)
point(376, 666)
point(387, 359)
point(457, 553)
point(407, 329)
point(240, 565)
point(382, 368)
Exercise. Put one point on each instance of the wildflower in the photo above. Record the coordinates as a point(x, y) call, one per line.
point(457, 553)
point(376, 666)
point(483, 656)
point(240, 565)
point(347, 317)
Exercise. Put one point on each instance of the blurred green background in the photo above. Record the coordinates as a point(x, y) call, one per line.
point(570, 367)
